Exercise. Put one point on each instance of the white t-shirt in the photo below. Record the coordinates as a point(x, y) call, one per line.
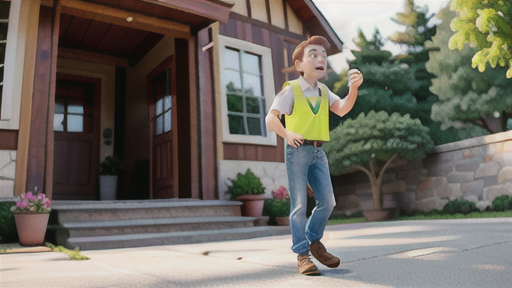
point(284, 99)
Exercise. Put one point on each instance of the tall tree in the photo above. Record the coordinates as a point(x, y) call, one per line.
point(488, 26)
point(417, 32)
point(466, 95)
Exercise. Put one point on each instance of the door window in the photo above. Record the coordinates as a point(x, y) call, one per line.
point(71, 115)
point(163, 103)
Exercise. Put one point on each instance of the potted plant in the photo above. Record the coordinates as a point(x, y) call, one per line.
point(280, 206)
point(109, 171)
point(248, 189)
point(31, 213)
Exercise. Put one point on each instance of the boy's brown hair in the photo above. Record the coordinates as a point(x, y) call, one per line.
point(298, 53)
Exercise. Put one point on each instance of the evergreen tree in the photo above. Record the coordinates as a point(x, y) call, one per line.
point(467, 97)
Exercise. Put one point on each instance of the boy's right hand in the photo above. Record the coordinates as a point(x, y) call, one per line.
point(292, 139)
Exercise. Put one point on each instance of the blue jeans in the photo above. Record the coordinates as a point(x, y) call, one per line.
point(308, 164)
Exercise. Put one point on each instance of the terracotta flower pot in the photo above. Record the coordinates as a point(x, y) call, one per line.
point(252, 205)
point(283, 221)
point(378, 215)
point(31, 227)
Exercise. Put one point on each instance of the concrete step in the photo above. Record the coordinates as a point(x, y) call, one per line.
point(166, 225)
point(186, 237)
point(88, 211)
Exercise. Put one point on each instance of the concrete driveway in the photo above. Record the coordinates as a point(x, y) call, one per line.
point(434, 253)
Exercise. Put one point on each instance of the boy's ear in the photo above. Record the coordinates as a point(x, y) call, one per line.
point(297, 65)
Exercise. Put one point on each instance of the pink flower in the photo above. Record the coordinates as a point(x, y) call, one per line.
point(41, 196)
point(24, 203)
point(47, 203)
point(22, 196)
point(30, 196)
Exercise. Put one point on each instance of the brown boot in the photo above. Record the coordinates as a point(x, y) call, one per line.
point(320, 253)
point(306, 266)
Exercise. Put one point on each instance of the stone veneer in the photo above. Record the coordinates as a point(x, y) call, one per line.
point(272, 175)
point(7, 171)
point(477, 169)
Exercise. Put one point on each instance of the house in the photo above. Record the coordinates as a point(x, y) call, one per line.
point(177, 89)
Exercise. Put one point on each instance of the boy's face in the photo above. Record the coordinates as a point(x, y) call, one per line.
point(314, 63)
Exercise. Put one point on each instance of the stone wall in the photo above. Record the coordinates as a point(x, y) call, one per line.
point(7, 171)
point(477, 169)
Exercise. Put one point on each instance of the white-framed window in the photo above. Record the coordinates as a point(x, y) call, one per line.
point(5, 7)
point(247, 91)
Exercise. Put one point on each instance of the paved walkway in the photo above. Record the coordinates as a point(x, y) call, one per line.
point(438, 253)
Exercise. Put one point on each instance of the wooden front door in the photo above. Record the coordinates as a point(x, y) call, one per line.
point(163, 116)
point(76, 133)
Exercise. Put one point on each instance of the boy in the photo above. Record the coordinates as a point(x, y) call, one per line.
point(306, 103)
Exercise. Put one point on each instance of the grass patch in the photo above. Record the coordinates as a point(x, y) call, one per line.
point(418, 215)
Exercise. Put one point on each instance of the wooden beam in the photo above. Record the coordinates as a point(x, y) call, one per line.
point(214, 10)
point(124, 18)
point(92, 57)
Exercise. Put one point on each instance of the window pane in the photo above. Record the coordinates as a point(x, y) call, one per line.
point(59, 108)
point(167, 103)
point(57, 121)
point(167, 121)
point(75, 123)
point(231, 59)
point(254, 126)
point(159, 125)
point(253, 105)
point(159, 107)
point(251, 63)
point(78, 109)
point(235, 103)
point(232, 81)
point(4, 9)
point(252, 85)
point(236, 124)
point(3, 31)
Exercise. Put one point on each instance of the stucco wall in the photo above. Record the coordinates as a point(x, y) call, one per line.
point(477, 169)
point(7, 172)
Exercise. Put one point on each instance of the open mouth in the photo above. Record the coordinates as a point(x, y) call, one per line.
point(320, 68)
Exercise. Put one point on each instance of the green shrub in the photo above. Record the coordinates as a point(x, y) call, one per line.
point(7, 224)
point(459, 207)
point(111, 166)
point(502, 203)
point(245, 184)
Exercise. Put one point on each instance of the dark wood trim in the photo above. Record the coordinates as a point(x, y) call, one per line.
point(9, 139)
point(117, 16)
point(269, 17)
point(194, 117)
point(335, 41)
point(51, 101)
point(119, 127)
point(92, 57)
point(207, 116)
point(183, 111)
point(36, 167)
point(249, 10)
point(214, 10)
point(285, 11)
point(265, 25)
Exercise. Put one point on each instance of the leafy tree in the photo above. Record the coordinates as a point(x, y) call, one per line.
point(376, 139)
point(467, 97)
point(486, 25)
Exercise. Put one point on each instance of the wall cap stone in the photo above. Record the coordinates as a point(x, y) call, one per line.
point(474, 142)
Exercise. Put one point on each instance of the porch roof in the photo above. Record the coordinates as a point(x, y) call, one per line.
point(315, 23)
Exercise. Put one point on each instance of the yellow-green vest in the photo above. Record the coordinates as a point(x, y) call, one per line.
point(312, 122)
